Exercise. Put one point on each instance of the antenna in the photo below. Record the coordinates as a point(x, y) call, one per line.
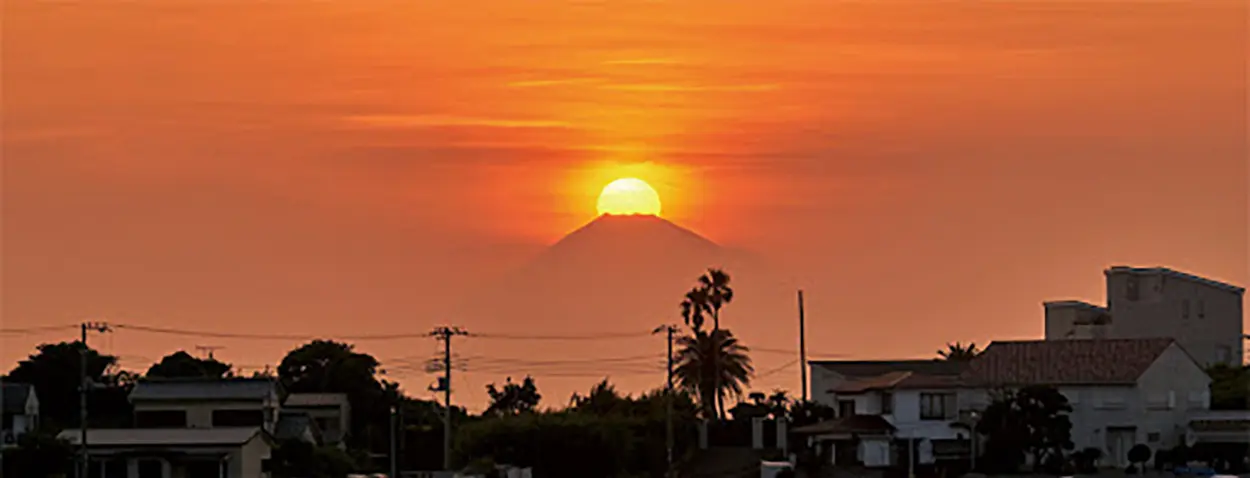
point(208, 350)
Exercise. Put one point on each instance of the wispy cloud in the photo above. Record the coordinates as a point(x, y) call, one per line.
point(661, 87)
point(554, 82)
point(644, 61)
point(437, 121)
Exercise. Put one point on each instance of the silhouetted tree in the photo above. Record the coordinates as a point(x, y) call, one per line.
point(324, 366)
point(513, 398)
point(54, 372)
point(1033, 420)
point(694, 307)
point(713, 365)
point(958, 352)
point(1230, 387)
point(38, 455)
point(719, 294)
point(602, 399)
point(182, 365)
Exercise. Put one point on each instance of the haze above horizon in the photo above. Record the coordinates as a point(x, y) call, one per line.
point(359, 167)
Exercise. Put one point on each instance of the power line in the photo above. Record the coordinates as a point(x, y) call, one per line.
point(233, 335)
point(602, 336)
point(32, 330)
point(778, 369)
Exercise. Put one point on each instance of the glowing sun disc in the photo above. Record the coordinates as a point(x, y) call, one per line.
point(629, 196)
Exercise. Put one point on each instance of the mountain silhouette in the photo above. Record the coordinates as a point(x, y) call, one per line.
point(627, 271)
point(615, 275)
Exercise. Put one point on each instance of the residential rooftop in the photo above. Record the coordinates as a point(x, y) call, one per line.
point(1176, 274)
point(204, 389)
point(1065, 362)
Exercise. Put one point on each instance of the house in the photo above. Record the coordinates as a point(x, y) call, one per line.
point(1122, 391)
point(1203, 315)
point(220, 428)
point(206, 403)
point(330, 411)
point(886, 408)
point(20, 411)
point(234, 452)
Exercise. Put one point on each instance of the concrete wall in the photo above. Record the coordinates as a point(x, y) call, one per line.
point(822, 380)
point(246, 461)
point(200, 414)
point(1070, 319)
point(1204, 318)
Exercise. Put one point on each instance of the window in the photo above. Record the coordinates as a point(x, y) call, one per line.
point(1185, 309)
point(1152, 437)
point(1202, 309)
point(937, 406)
point(204, 469)
point(1131, 290)
point(238, 418)
point(846, 408)
point(887, 403)
point(161, 419)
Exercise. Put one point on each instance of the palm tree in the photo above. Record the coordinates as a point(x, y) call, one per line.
point(957, 352)
point(713, 365)
point(693, 307)
point(715, 285)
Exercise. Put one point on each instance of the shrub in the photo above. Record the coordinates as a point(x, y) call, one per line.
point(1140, 453)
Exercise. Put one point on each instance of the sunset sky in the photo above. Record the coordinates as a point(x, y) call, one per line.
point(928, 171)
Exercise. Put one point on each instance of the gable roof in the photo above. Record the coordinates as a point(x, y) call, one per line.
point(858, 424)
point(874, 368)
point(170, 437)
point(15, 397)
point(1065, 362)
point(204, 389)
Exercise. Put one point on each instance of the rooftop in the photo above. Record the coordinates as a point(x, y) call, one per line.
point(1173, 273)
point(1065, 362)
point(316, 400)
point(127, 437)
point(1075, 304)
point(876, 368)
point(204, 389)
point(858, 424)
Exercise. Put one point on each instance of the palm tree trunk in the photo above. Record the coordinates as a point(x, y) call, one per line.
point(720, 401)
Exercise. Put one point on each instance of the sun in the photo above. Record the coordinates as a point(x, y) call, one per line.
point(629, 196)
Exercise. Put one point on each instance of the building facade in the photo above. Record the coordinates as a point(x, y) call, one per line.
point(20, 412)
point(1205, 316)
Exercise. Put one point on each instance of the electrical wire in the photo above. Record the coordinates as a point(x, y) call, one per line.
point(232, 335)
point(602, 336)
point(778, 369)
point(32, 330)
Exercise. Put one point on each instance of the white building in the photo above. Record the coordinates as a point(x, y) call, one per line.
point(20, 411)
point(1203, 315)
point(1122, 391)
point(331, 412)
point(882, 406)
point(193, 428)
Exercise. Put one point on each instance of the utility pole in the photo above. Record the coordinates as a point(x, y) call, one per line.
point(802, 347)
point(83, 386)
point(394, 456)
point(445, 334)
point(668, 397)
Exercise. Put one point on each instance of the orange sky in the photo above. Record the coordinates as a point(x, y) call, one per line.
point(929, 171)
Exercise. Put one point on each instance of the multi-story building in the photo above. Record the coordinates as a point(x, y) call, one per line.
point(209, 428)
point(1204, 316)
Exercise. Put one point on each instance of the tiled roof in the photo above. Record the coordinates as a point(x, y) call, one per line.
point(873, 368)
point(15, 396)
point(863, 384)
point(203, 389)
point(1064, 362)
point(862, 424)
point(122, 437)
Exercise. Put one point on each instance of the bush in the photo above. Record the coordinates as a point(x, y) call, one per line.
point(1086, 461)
point(1131, 470)
point(1140, 453)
